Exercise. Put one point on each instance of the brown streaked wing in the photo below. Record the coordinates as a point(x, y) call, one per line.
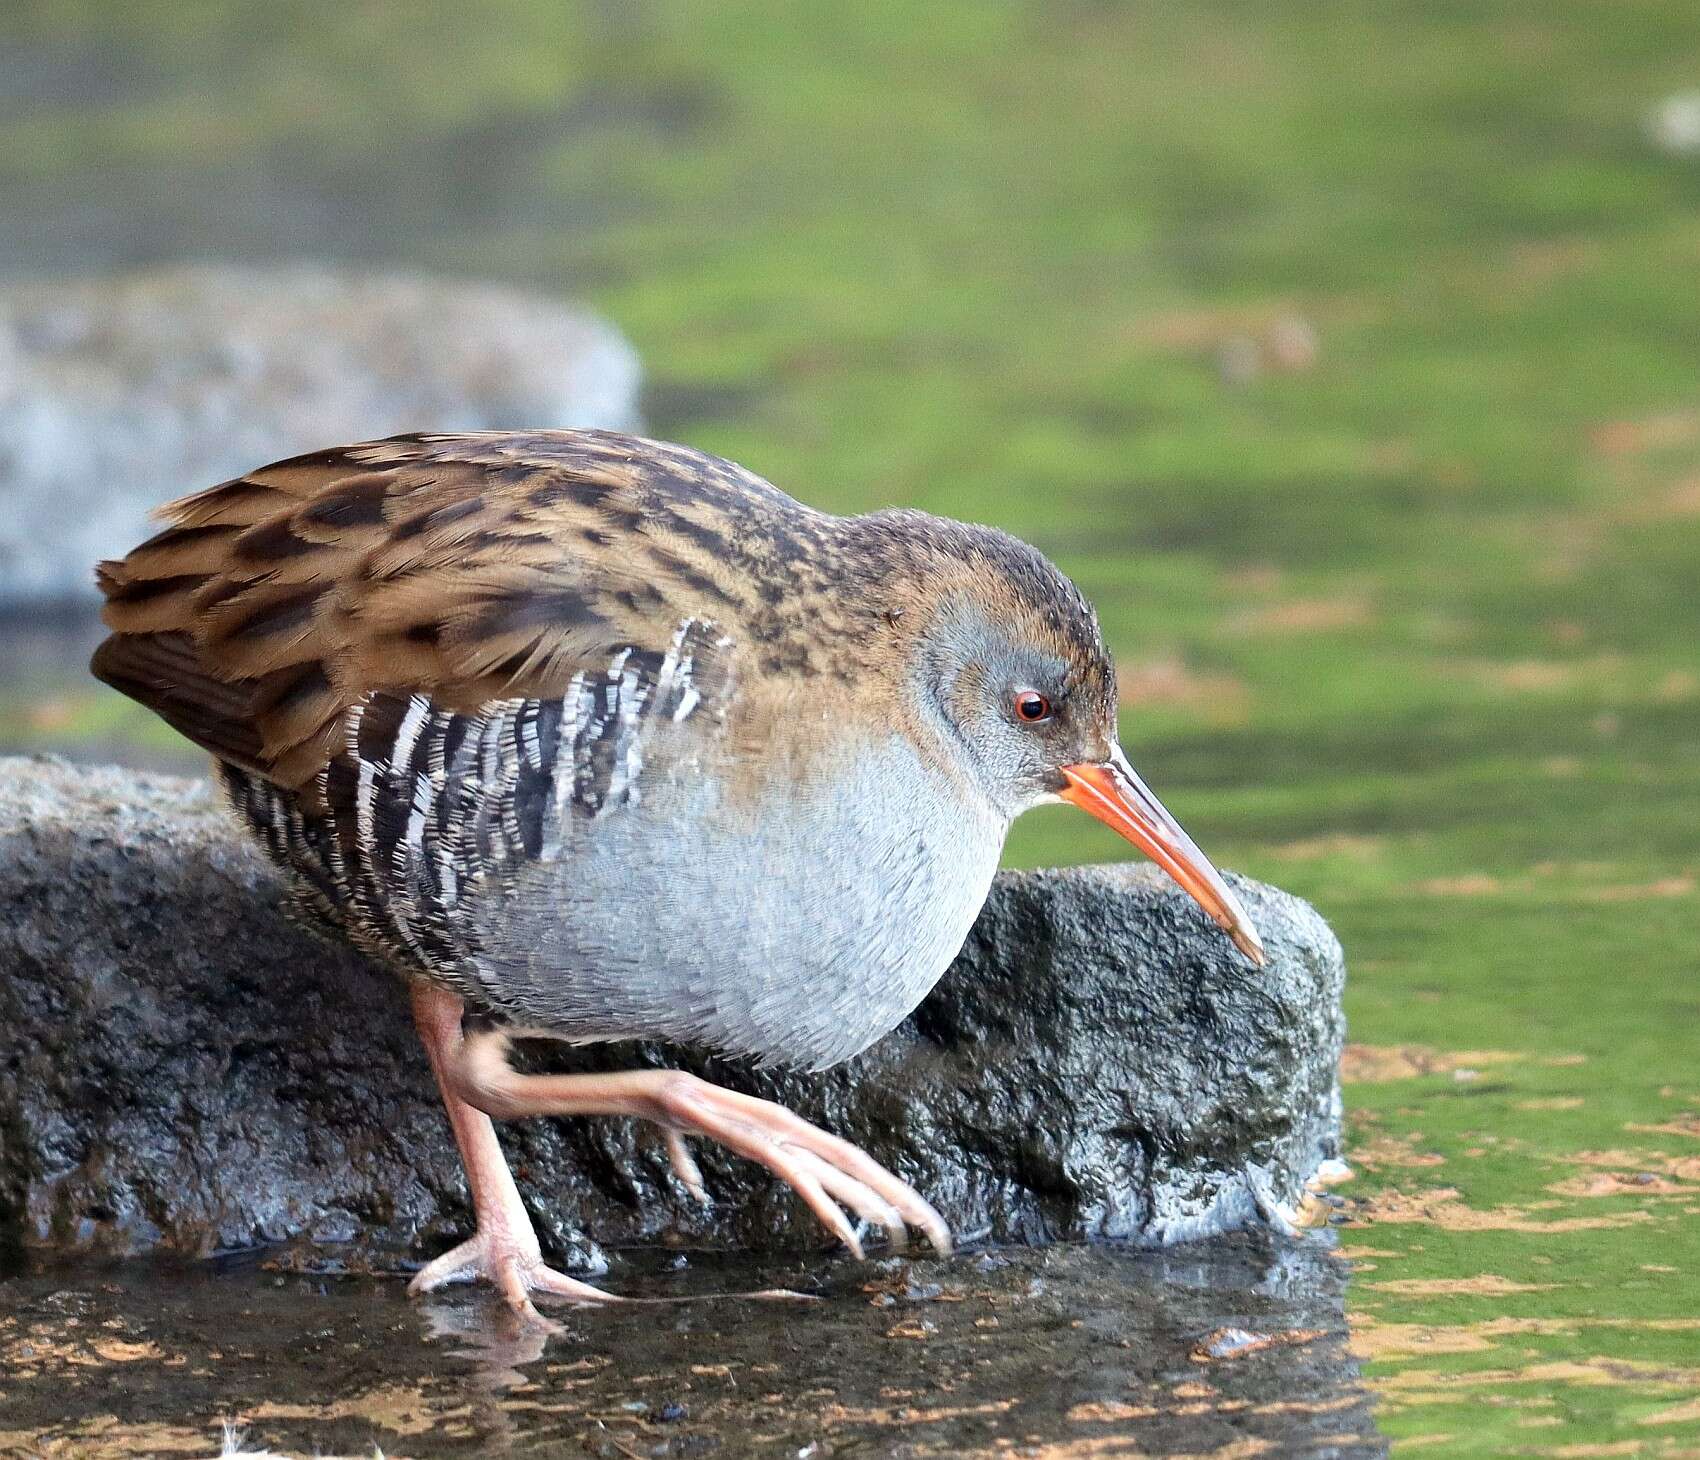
point(468, 567)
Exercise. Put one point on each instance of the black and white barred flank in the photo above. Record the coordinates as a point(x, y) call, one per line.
point(427, 805)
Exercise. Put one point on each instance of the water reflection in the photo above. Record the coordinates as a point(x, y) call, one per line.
point(1235, 1348)
point(492, 1338)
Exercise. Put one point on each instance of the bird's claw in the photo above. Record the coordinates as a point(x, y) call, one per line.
point(828, 1173)
point(685, 1167)
point(516, 1271)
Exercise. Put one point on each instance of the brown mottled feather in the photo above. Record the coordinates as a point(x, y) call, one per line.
point(478, 566)
point(474, 566)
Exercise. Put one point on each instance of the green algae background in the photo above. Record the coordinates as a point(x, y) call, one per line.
point(1347, 354)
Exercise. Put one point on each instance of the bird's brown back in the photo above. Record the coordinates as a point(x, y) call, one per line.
point(471, 567)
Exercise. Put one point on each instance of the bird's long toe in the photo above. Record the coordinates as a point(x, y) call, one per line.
point(820, 1167)
point(515, 1274)
point(685, 1167)
point(861, 1198)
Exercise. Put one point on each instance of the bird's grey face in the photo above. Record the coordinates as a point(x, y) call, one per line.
point(1034, 714)
point(1021, 715)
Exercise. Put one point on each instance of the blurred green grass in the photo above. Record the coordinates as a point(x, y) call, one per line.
point(1408, 628)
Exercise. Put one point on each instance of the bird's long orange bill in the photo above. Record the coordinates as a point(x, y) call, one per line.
point(1114, 794)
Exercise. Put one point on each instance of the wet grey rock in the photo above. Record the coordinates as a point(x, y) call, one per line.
point(181, 1068)
point(117, 394)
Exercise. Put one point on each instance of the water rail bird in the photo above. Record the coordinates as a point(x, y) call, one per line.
point(601, 738)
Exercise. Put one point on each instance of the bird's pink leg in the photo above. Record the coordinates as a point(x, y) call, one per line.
point(504, 1249)
point(824, 1170)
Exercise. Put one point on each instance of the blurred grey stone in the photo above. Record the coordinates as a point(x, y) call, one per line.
point(119, 394)
point(1239, 360)
point(181, 1067)
point(1673, 124)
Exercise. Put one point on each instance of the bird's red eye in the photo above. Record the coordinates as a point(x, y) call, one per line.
point(1031, 706)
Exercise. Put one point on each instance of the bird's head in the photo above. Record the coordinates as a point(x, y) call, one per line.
point(1009, 665)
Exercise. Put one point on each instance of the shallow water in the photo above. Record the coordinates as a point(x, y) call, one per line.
point(1407, 628)
point(1238, 1349)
